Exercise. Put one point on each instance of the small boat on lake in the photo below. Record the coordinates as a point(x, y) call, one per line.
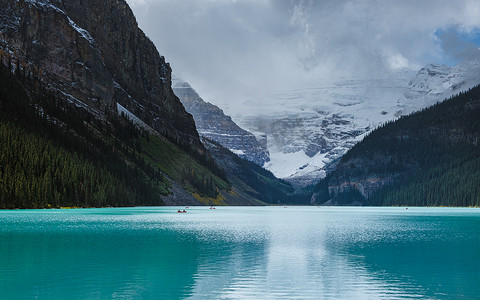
point(181, 211)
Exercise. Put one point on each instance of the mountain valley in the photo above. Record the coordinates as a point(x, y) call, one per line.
point(100, 98)
point(315, 125)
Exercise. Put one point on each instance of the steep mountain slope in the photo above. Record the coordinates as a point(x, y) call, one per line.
point(80, 81)
point(237, 152)
point(315, 124)
point(54, 154)
point(250, 182)
point(93, 54)
point(213, 124)
point(428, 158)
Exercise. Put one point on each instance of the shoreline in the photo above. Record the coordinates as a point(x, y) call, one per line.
point(226, 206)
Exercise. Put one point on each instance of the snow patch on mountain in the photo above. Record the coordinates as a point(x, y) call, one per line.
point(286, 164)
point(435, 83)
point(238, 152)
point(132, 117)
point(213, 124)
point(313, 125)
point(46, 4)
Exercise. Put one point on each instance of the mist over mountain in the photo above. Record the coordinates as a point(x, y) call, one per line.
point(213, 124)
point(314, 125)
point(230, 50)
point(313, 76)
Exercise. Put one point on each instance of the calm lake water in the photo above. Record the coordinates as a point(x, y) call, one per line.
point(238, 252)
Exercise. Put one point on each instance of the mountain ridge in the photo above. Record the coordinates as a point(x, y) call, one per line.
point(212, 123)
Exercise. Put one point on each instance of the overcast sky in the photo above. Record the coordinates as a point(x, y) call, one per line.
point(228, 49)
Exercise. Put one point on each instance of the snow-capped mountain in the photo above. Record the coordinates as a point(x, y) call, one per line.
point(320, 122)
point(213, 124)
point(434, 83)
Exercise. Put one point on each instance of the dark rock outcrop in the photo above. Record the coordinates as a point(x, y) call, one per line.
point(93, 54)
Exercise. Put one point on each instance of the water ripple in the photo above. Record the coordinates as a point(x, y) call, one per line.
point(240, 253)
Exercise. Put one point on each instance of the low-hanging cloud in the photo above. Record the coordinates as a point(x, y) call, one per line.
point(228, 49)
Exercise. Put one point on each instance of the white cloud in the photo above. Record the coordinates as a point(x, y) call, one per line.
point(229, 49)
point(399, 62)
point(134, 3)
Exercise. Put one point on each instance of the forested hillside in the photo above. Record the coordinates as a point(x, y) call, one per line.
point(250, 181)
point(429, 158)
point(55, 154)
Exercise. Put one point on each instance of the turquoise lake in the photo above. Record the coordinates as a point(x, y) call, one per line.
point(241, 253)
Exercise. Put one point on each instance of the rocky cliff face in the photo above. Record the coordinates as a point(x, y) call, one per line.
point(213, 124)
point(92, 54)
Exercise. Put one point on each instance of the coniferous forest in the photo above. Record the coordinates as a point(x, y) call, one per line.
point(48, 157)
point(429, 158)
point(53, 154)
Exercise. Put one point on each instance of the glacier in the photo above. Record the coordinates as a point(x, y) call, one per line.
point(316, 123)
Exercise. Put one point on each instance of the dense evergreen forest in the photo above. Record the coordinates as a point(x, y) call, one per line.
point(429, 158)
point(53, 154)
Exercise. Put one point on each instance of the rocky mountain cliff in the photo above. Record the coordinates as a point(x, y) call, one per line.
point(92, 54)
point(213, 124)
point(87, 95)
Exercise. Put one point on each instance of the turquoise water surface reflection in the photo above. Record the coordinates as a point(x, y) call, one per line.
point(240, 252)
